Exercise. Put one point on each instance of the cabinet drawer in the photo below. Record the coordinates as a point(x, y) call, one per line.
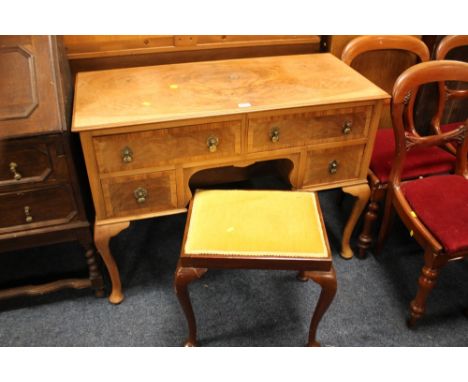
point(333, 165)
point(36, 208)
point(158, 147)
point(299, 129)
point(139, 194)
point(33, 160)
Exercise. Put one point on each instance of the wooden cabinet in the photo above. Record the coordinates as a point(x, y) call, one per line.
point(152, 129)
point(40, 197)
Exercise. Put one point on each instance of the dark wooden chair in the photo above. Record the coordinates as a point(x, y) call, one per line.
point(434, 208)
point(399, 53)
point(453, 95)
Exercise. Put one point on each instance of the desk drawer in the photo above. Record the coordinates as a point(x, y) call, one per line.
point(333, 165)
point(146, 149)
point(299, 129)
point(36, 208)
point(139, 194)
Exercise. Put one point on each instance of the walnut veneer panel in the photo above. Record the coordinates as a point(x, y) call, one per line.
point(160, 147)
point(122, 97)
point(292, 129)
point(139, 194)
point(328, 166)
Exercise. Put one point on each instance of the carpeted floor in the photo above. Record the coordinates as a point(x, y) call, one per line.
point(233, 307)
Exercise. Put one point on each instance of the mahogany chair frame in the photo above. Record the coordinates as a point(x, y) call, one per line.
point(435, 256)
point(355, 48)
point(446, 45)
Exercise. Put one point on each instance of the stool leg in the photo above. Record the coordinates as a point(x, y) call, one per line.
point(327, 280)
point(184, 276)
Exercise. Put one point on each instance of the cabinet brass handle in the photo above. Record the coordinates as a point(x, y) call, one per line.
point(333, 167)
point(275, 135)
point(16, 174)
point(140, 194)
point(347, 127)
point(127, 155)
point(27, 212)
point(212, 143)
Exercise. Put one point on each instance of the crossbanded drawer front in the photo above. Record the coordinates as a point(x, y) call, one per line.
point(298, 129)
point(333, 165)
point(36, 208)
point(144, 149)
point(139, 194)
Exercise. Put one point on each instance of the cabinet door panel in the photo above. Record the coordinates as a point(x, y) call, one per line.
point(28, 96)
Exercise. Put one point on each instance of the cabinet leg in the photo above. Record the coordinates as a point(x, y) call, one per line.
point(327, 280)
point(362, 193)
point(102, 236)
point(94, 273)
point(184, 276)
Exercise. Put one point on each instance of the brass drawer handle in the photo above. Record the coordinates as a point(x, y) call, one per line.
point(140, 194)
point(16, 174)
point(127, 155)
point(347, 127)
point(275, 135)
point(27, 212)
point(333, 167)
point(212, 143)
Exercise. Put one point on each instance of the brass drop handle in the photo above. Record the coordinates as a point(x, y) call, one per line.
point(140, 194)
point(127, 155)
point(347, 127)
point(275, 135)
point(333, 167)
point(16, 174)
point(212, 143)
point(27, 212)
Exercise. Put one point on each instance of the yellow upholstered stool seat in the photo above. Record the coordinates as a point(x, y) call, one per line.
point(260, 230)
point(255, 223)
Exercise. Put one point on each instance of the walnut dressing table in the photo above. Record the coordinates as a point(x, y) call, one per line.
point(145, 131)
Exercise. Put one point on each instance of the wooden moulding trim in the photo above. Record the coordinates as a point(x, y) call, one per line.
point(140, 217)
point(239, 262)
point(35, 290)
point(202, 46)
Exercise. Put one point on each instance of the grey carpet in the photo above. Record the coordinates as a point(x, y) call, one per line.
point(233, 307)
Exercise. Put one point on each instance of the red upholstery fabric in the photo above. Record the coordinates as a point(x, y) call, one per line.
point(419, 162)
point(450, 127)
point(441, 203)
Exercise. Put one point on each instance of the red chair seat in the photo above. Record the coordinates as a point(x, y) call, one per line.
point(419, 162)
point(441, 203)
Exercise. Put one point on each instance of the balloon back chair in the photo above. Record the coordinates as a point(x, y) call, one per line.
point(394, 55)
point(434, 208)
point(453, 95)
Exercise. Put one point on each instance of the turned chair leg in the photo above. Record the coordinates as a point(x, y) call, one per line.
point(365, 238)
point(387, 220)
point(327, 281)
point(427, 281)
point(184, 276)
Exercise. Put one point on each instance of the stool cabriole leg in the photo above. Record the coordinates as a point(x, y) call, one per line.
point(327, 280)
point(184, 276)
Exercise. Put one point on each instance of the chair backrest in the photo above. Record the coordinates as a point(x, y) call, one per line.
point(452, 92)
point(394, 55)
point(405, 89)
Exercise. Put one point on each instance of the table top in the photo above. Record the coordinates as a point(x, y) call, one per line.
point(131, 96)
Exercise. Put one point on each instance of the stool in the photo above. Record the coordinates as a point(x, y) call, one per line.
point(242, 229)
